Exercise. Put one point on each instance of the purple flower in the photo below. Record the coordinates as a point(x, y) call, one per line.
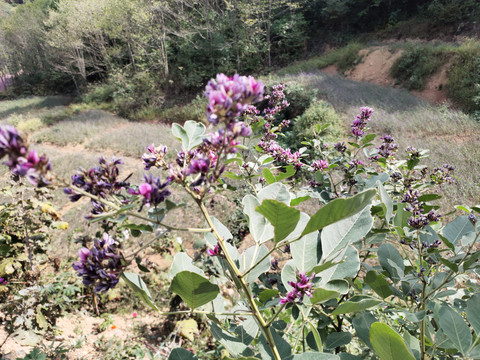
point(340, 147)
point(360, 123)
point(229, 96)
point(153, 191)
point(301, 287)
point(102, 265)
point(473, 219)
point(21, 161)
point(320, 165)
point(101, 181)
point(3, 281)
point(199, 165)
point(155, 157)
point(215, 251)
point(388, 147)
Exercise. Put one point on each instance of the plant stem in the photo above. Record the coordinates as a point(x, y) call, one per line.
point(235, 272)
point(166, 313)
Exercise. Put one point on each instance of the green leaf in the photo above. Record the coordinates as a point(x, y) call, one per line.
point(455, 328)
point(306, 252)
point(391, 260)
point(378, 284)
point(249, 258)
point(450, 265)
point(386, 200)
point(337, 339)
point(322, 295)
point(267, 174)
point(473, 312)
point(339, 209)
point(283, 347)
point(315, 356)
point(259, 226)
point(191, 134)
point(401, 217)
point(299, 200)
point(429, 197)
point(388, 344)
point(454, 231)
point(140, 227)
point(356, 304)
point(345, 232)
point(275, 191)
point(140, 288)
point(234, 344)
point(182, 354)
point(362, 323)
point(289, 171)
point(183, 262)
point(347, 267)
point(194, 289)
point(316, 336)
point(267, 295)
point(283, 217)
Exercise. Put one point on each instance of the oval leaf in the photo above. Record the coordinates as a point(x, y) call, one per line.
point(194, 289)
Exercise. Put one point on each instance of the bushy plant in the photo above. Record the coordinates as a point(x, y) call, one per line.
point(416, 64)
point(464, 74)
point(369, 268)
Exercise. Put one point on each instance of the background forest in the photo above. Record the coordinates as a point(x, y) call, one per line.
point(141, 50)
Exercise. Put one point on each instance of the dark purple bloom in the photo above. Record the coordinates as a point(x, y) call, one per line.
point(3, 281)
point(199, 165)
point(340, 147)
point(21, 161)
point(102, 265)
point(215, 251)
point(274, 265)
point(101, 181)
point(301, 287)
point(473, 219)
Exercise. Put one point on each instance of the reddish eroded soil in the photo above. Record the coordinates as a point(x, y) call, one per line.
point(375, 66)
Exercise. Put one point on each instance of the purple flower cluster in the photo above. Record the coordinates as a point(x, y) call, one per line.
point(388, 147)
point(360, 123)
point(473, 219)
point(229, 96)
point(101, 181)
point(21, 161)
point(301, 287)
point(102, 265)
point(155, 157)
point(444, 174)
point(153, 191)
point(340, 147)
point(418, 220)
point(276, 103)
point(320, 165)
point(215, 251)
point(280, 154)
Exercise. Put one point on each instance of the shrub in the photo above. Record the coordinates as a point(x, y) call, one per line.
point(308, 125)
point(416, 64)
point(464, 74)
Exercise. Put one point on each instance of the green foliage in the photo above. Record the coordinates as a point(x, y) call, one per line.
point(416, 64)
point(319, 119)
point(464, 75)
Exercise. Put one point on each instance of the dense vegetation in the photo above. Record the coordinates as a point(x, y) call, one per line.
point(132, 53)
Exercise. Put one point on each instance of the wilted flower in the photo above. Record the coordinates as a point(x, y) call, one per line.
point(340, 147)
point(229, 96)
point(102, 265)
point(301, 287)
point(154, 157)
